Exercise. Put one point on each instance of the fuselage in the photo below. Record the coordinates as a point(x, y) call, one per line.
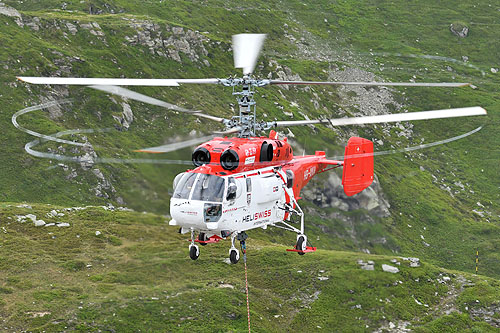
point(241, 184)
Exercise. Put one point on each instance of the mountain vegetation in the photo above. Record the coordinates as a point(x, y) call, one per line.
point(440, 204)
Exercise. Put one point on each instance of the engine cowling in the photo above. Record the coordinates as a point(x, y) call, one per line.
point(232, 155)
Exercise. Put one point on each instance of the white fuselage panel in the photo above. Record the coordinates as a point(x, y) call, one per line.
point(258, 202)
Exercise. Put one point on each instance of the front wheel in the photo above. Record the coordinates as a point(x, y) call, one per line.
point(194, 252)
point(234, 256)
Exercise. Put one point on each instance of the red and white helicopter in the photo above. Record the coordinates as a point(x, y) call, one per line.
point(248, 181)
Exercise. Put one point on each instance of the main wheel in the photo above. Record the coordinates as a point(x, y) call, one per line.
point(234, 256)
point(194, 252)
point(201, 237)
point(301, 245)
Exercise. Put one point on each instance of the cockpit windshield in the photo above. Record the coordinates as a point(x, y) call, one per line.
point(209, 188)
point(184, 186)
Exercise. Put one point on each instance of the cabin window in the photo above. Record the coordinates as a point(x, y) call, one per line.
point(209, 188)
point(249, 185)
point(184, 186)
point(289, 178)
point(232, 188)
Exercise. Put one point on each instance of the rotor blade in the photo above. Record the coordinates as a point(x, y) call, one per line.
point(174, 146)
point(113, 81)
point(246, 49)
point(388, 118)
point(397, 84)
point(123, 92)
point(183, 144)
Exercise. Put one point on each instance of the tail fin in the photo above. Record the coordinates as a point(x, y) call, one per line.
point(358, 165)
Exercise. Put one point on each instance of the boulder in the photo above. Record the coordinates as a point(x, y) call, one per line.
point(459, 29)
point(389, 268)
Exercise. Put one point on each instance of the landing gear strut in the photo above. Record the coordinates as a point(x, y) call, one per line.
point(194, 250)
point(234, 254)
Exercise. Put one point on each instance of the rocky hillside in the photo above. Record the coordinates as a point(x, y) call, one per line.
point(440, 204)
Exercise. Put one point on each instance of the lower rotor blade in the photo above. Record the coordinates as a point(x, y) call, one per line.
point(388, 118)
point(174, 146)
point(123, 92)
point(184, 144)
point(394, 84)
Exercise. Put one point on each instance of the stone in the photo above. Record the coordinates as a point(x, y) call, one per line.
point(389, 268)
point(39, 223)
point(459, 30)
point(24, 206)
point(368, 267)
point(63, 224)
point(31, 217)
point(72, 28)
point(414, 262)
point(97, 233)
point(11, 12)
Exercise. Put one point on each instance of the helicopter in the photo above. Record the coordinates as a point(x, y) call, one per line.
point(246, 181)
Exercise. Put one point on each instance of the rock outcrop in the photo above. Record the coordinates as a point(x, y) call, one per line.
point(459, 30)
point(331, 194)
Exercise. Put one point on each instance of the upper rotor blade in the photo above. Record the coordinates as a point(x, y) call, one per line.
point(388, 118)
point(150, 100)
point(400, 84)
point(113, 81)
point(246, 49)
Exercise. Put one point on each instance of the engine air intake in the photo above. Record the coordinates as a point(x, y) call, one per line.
point(201, 156)
point(229, 160)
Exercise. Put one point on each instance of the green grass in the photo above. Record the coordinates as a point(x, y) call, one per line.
point(69, 278)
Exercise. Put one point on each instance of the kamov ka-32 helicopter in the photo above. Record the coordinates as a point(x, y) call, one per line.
point(248, 181)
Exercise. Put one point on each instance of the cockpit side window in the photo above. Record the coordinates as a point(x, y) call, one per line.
point(209, 188)
point(249, 184)
point(184, 186)
point(232, 188)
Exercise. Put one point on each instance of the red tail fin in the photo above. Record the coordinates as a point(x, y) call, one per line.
point(358, 165)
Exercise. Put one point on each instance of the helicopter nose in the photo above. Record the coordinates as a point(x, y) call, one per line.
point(212, 225)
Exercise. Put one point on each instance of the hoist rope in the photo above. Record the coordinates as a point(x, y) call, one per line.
point(244, 248)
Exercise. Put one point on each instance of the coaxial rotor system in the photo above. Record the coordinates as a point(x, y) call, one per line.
point(246, 49)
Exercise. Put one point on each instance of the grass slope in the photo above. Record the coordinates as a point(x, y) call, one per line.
point(396, 41)
point(136, 275)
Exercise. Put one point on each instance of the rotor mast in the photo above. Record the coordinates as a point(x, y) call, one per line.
point(246, 121)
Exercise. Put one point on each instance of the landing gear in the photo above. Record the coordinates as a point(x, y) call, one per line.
point(194, 250)
point(234, 254)
point(301, 244)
